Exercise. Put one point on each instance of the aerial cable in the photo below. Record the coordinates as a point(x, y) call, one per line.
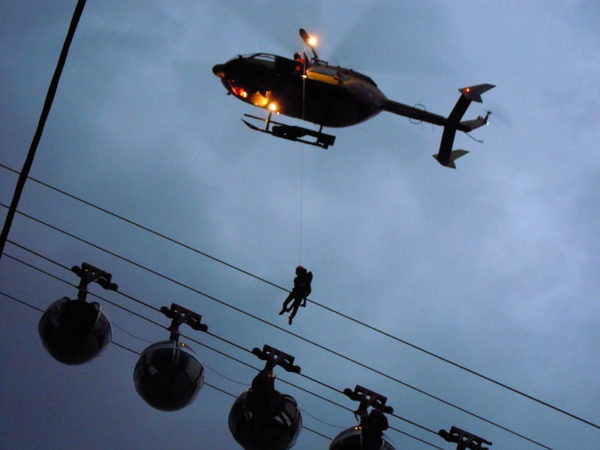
point(41, 124)
point(334, 352)
point(241, 383)
point(216, 388)
point(340, 355)
point(304, 411)
point(21, 302)
point(149, 230)
point(210, 348)
point(141, 339)
point(224, 354)
point(345, 316)
point(124, 347)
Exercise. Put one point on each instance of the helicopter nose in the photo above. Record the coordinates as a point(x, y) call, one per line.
point(219, 70)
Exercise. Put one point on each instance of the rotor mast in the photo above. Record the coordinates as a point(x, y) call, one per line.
point(310, 41)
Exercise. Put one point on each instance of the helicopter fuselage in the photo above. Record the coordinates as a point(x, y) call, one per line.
point(317, 92)
point(331, 96)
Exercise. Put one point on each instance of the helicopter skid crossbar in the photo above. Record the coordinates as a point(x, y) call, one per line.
point(291, 132)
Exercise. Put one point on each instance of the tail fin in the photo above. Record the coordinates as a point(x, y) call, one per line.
point(473, 93)
point(446, 155)
point(454, 154)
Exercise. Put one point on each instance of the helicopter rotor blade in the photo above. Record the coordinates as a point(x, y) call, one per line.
point(370, 46)
point(276, 34)
point(304, 35)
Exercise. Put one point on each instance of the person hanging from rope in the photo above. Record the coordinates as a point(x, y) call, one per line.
point(373, 426)
point(297, 297)
point(300, 63)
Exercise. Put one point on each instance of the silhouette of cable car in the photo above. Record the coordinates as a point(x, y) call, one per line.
point(368, 434)
point(464, 439)
point(75, 331)
point(262, 418)
point(168, 376)
point(351, 439)
point(276, 432)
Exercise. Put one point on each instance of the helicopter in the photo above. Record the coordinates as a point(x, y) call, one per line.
point(330, 96)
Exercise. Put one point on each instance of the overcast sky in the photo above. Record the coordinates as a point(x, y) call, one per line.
point(494, 265)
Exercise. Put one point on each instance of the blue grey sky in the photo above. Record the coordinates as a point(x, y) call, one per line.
point(494, 265)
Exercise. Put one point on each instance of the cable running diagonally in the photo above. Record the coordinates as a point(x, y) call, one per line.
point(37, 136)
point(205, 345)
point(124, 347)
point(214, 350)
point(293, 334)
point(345, 316)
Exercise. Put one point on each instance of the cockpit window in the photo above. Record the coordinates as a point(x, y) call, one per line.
point(263, 57)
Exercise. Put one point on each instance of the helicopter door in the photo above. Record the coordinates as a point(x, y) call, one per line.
point(284, 65)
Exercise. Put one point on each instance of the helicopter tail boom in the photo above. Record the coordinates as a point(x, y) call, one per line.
point(413, 113)
point(446, 156)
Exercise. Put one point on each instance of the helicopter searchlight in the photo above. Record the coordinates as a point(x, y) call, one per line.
point(311, 89)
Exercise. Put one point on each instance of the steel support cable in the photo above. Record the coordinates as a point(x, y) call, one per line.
point(345, 316)
point(135, 352)
point(340, 355)
point(365, 366)
point(466, 411)
point(338, 391)
point(52, 88)
point(208, 346)
point(211, 348)
point(141, 316)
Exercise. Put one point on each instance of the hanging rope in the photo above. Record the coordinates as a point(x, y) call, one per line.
point(301, 205)
point(303, 92)
point(304, 68)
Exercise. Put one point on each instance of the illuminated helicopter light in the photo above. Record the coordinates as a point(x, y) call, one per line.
point(240, 92)
point(257, 99)
point(273, 107)
point(312, 41)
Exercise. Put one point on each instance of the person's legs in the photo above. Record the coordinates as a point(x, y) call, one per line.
point(284, 307)
point(294, 309)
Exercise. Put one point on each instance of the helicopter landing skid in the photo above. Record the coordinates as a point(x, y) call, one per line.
point(291, 132)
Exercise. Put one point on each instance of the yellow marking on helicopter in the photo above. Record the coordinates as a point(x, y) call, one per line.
point(323, 77)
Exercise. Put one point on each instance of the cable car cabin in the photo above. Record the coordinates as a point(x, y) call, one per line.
point(327, 95)
point(168, 376)
point(74, 331)
point(351, 439)
point(276, 432)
